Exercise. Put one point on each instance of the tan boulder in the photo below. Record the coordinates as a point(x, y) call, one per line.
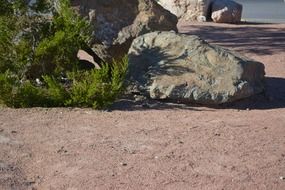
point(117, 22)
point(226, 11)
point(188, 9)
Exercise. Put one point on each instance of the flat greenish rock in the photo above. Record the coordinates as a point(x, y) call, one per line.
point(183, 68)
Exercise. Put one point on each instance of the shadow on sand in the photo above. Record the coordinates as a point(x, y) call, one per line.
point(257, 38)
point(272, 98)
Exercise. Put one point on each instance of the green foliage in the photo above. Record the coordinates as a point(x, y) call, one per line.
point(94, 88)
point(68, 33)
point(15, 93)
point(6, 88)
point(55, 92)
point(38, 63)
point(47, 41)
point(5, 8)
point(99, 88)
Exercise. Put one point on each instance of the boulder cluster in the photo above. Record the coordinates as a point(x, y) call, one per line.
point(164, 64)
point(220, 11)
point(116, 23)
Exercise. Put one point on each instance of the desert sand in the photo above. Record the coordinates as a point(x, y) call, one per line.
point(239, 146)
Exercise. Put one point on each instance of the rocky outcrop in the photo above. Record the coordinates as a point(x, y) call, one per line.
point(117, 22)
point(181, 68)
point(226, 11)
point(221, 11)
point(188, 9)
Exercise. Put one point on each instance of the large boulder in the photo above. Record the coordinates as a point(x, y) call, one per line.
point(226, 11)
point(117, 22)
point(188, 9)
point(183, 68)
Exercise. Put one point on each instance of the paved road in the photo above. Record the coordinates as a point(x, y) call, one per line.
point(263, 10)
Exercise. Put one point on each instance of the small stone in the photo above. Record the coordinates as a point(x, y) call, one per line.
point(247, 109)
point(39, 82)
point(123, 164)
point(14, 132)
point(282, 177)
point(62, 150)
point(201, 19)
point(139, 98)
point(156, 157)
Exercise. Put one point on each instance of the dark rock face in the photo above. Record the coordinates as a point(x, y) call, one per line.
point(117, 22)
point(177, 67)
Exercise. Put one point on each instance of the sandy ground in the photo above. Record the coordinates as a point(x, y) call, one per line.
point(158, 145)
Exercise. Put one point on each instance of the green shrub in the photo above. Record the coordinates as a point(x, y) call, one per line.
point(57, 51)
point(94, 88)
point(38, 63)
point(48, 42)
point(100, 88)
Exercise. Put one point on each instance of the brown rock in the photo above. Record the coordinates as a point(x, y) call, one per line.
point(117, 23)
